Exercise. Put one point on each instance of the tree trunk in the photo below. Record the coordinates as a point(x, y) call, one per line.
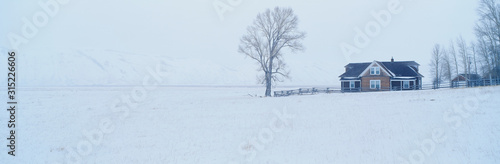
point(269, 77)
point(268, 84)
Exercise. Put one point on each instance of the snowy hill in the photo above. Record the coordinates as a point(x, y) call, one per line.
point(95, 68)
point(114, 68)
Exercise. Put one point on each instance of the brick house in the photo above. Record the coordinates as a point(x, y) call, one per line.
point(381, 76)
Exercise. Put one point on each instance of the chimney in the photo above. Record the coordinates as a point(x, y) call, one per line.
point(392, 59)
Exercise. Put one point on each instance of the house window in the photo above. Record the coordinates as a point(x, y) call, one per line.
point(375, 71)
point(406, 84)
point(352, 84)
point(374, 84)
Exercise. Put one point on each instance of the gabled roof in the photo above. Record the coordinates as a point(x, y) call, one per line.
point(355, 69)
point(384, 69)
point(403, 69)
point(394, 69)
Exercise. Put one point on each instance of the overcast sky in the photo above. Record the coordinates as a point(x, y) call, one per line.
point(194, 29)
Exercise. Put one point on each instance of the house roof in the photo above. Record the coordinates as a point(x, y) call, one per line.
point(463, 77)
point(402, 68)
point(396, 69)
point(354, 69)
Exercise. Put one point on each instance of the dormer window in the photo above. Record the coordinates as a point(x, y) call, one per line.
point(375, 71)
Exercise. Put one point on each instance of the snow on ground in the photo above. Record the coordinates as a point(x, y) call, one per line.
point(226, 125)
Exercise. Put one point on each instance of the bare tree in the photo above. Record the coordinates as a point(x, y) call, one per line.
point(446, 66)
point(473, 49)
point(488, 44)
point(453, 55)
point(488, 33)
point(484, 51)
point(272, 32)
point(436, 65)
point(463, 55)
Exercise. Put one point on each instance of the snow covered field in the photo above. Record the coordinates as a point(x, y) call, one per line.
point(226, 125)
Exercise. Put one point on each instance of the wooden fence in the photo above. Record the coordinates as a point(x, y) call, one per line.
point(312, 91)
point(302, 91)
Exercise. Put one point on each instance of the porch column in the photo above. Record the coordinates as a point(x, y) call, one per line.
point(390, 85)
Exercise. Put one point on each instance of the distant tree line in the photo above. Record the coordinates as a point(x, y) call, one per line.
point(481, 56)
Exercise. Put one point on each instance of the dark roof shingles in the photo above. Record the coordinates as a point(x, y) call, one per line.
point(402, 68)
point(398, 68)
point(354, 69)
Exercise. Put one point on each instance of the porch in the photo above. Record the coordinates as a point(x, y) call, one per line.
point(399, 84)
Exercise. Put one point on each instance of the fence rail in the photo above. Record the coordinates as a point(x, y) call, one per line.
point(456, 84)
point(302, 91)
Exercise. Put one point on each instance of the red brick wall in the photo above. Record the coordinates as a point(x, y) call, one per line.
point(385, 79)
point(384, 82)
